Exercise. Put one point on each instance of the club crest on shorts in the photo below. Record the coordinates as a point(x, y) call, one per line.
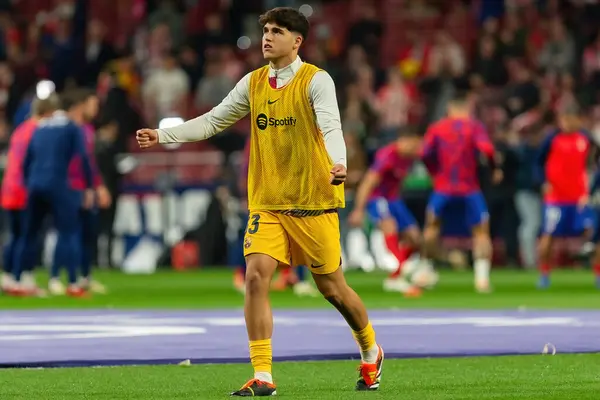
point(247, 242)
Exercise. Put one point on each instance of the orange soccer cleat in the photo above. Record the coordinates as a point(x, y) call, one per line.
point(76, 291)
point(256, 388)
point(369, 375)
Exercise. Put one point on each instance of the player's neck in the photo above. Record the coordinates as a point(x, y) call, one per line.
point(461, 115)
point(282, 62)
point(77, 118)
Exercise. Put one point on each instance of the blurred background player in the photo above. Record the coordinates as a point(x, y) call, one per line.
point(379, 194)
point(236, 248)
point(450, 151)
point(14, 198)
point(564, 159)
point(82, 113)
point(54, 144)
point(295, 278)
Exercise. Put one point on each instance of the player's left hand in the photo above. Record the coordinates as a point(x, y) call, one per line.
point(583, 202)
point(338, 174)
point(104, 198)
point(88, 199)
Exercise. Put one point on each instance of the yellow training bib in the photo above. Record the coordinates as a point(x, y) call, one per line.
point(289, 165)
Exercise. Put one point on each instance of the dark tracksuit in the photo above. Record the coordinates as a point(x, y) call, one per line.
point(56, 141)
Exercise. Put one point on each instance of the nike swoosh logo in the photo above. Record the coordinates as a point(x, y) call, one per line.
point(316, 266)
point(273, 102)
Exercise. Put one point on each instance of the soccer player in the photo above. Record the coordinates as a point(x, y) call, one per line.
point(564, 157)
point(14, 199)
point(450, 151)
point(55, 142)
point(379, 194)
point(82, 113)
point(295, 185)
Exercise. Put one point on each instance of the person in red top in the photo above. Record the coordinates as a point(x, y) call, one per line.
point(564, 158)
point(14, 197)
point(379, 194)
point(450, 151)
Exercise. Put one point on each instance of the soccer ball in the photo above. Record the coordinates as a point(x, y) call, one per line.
point(424, 276)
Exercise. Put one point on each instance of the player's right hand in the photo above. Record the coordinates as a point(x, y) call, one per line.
point(88, 199)
point(338, 174)
point(356, 218)
point(497, 176)
point(104, 198)
point(147, 138)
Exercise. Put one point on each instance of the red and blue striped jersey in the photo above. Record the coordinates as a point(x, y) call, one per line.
point(392, 168)
point(450, 152)
point(76, 173)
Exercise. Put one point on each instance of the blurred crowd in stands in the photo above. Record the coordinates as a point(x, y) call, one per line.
point(395, 64)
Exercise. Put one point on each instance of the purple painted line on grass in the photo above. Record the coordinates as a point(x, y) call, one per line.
point(106, 337)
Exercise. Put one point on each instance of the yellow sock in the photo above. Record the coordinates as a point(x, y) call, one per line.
point(261, 356)
point(366, 341)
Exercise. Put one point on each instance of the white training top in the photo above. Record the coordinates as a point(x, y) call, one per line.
point(237, 105)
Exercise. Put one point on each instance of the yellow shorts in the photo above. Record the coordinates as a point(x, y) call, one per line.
point(311, 241)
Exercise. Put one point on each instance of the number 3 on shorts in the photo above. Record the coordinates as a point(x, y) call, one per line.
point(253, 228)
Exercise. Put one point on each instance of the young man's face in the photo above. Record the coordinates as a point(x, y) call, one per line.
point(278, 41)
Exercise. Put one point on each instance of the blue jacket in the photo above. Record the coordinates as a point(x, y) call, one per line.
point(55, 142)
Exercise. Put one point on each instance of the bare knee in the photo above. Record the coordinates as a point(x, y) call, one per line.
point(259, 272)
point(332, 286)
point(332, 292)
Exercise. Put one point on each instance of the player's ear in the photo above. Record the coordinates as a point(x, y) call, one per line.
point(298, 42)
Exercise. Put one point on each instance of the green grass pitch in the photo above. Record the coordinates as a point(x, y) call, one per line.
point(524, 377)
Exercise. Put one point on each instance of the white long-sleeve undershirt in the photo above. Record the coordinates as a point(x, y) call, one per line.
point(237, 105)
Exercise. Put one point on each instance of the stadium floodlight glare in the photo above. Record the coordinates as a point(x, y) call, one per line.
point(306, 10)
point(126, 164)
point(244, 43)
point(44, 89)
point(170, 122)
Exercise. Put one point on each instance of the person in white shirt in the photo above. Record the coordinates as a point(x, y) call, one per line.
point(165, 91)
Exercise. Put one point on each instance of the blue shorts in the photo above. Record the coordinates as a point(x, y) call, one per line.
point(380, 208)
point(566, 220)
point(472, 208)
